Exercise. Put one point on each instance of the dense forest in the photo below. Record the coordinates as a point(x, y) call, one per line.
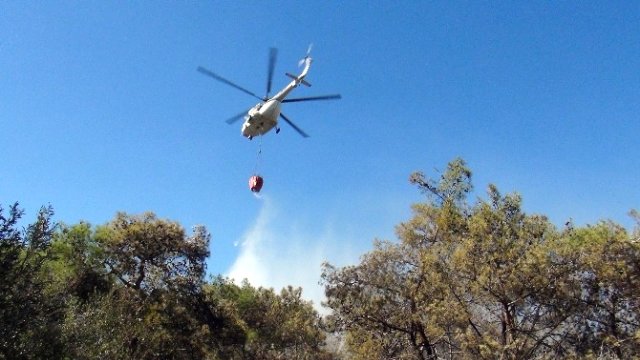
point(465, 279)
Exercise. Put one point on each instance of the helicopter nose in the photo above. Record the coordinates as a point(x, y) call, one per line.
point(245, 125)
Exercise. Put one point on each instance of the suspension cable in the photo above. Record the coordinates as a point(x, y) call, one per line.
point(258, 156)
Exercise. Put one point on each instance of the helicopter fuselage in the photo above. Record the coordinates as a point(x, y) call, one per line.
point(264, 116)
point(261, 118)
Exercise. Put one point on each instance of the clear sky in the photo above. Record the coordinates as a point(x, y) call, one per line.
point(102, 110)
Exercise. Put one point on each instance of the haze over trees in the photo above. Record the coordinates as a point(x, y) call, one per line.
point(466, 279)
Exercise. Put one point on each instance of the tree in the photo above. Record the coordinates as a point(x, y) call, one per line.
point(276, 326)
point(154, 306)
point(485, 280)
point(77, 263)
point(604, 272)
point(29, 318)
point(146, 253)
point(397, 303)
point(501, 273)
point(134, 288)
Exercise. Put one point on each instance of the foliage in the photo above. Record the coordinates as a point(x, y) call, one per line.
point(146, 253)
point(485, 280)
point(134, 288)
point(28, 316)
point(152, 306)
point(277, 326)
point(465, 280)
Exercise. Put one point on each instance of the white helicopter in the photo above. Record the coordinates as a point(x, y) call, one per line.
point(264, 116)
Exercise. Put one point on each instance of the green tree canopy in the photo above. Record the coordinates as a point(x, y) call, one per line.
point(277, 326)
point(466, 279)
point(485, 280)
point(29, 316)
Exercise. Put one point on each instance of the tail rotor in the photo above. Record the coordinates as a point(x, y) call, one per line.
point(307, 56)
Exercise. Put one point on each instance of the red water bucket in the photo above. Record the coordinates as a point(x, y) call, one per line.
point(255, 183)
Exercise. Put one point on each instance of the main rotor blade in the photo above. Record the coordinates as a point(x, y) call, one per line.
point(221, 79)
point(235, 118)
point(311, 98)
point(273, 53)
point(294, 126)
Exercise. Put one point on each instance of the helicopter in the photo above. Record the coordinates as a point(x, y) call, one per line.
point(263, 117)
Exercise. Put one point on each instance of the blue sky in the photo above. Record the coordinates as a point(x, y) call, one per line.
point(102, 110)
